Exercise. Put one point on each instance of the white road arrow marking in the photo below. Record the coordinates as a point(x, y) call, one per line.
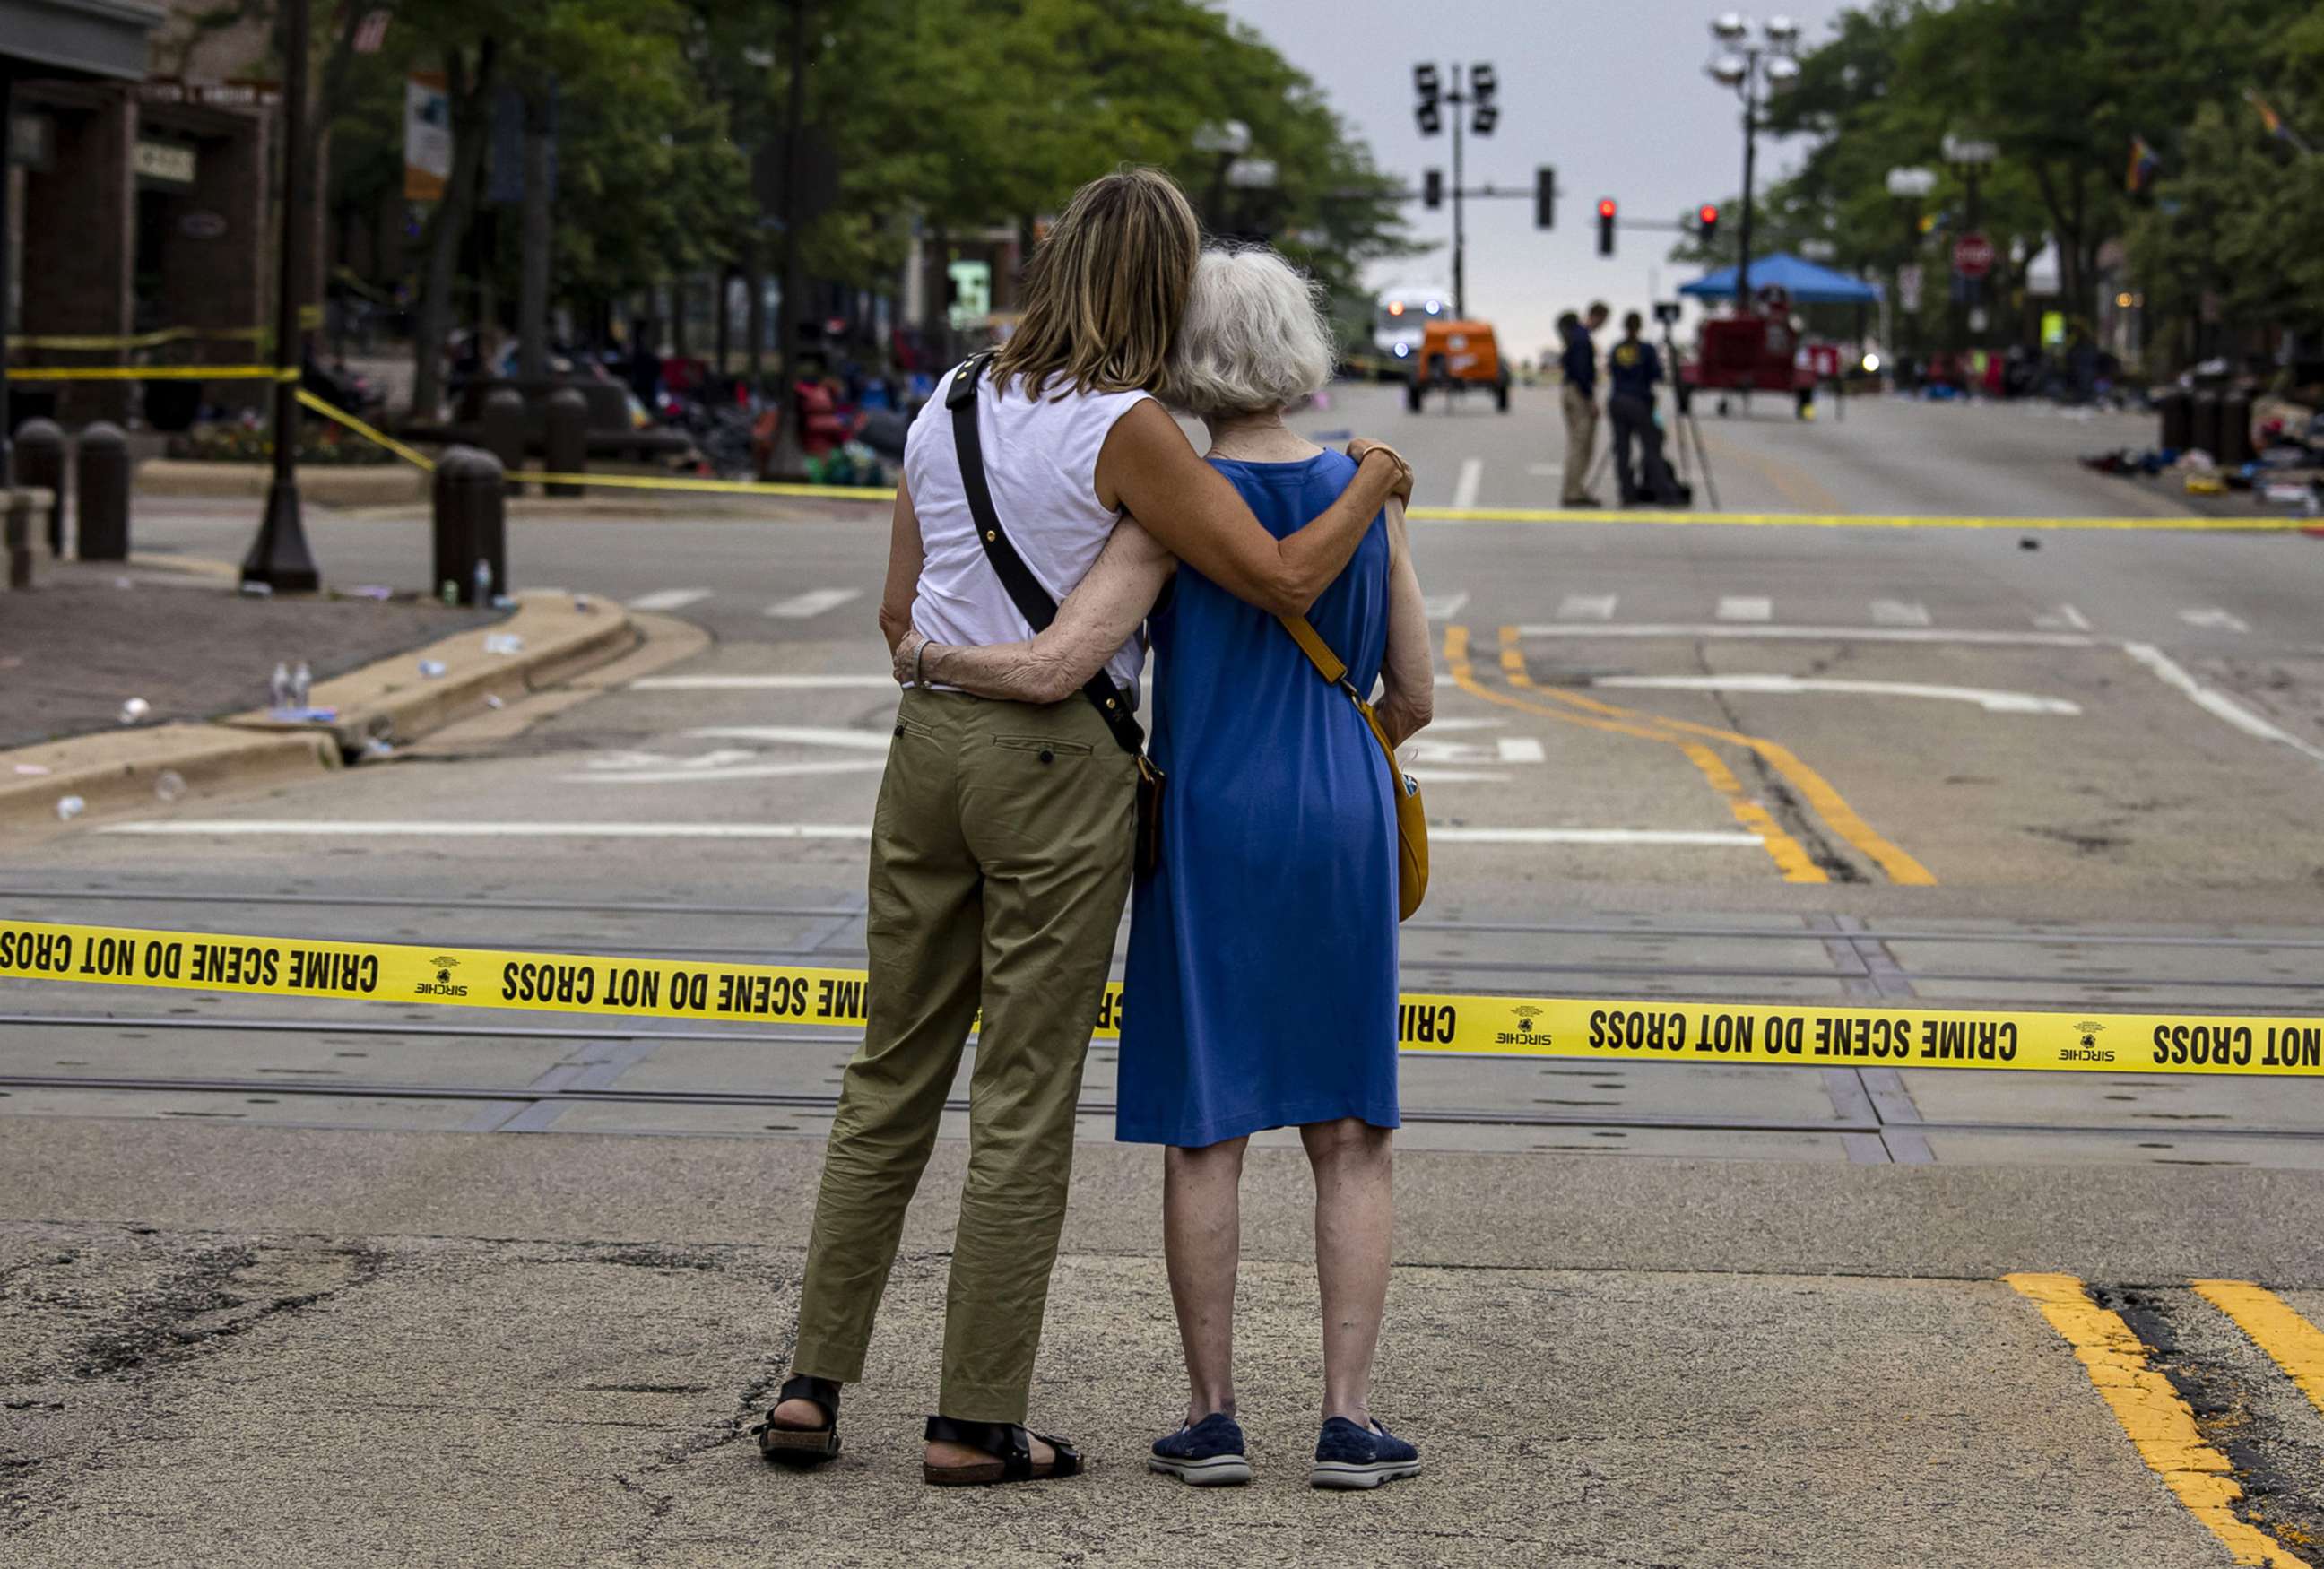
point(2214, 618)
point(1588, 607)
point(763, 683)
point(669, 599)
point(1443, 607)
point(2065, 618)
point(2217, 703)
point(692, 773)
point(1992, 701)
point(1898, 612)
point(798, 735)
point(802, 607)
point(1745, 608)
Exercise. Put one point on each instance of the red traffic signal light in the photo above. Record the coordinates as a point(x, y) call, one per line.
point(1606, 206)
point(1707, 221)
point(1605, 210)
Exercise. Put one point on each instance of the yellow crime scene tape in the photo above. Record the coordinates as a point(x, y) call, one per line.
point(152, 373)
point(99, 342)
point(1429, 1024)
point(682, 482)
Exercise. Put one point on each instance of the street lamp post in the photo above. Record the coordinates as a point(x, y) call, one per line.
point(280, 557)
point(1478, 99)
point(1755, 66)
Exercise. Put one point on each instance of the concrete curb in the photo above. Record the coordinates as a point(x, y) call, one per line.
point(121, 772)
point(326, 484)
point(118, 771)
point(391, 699)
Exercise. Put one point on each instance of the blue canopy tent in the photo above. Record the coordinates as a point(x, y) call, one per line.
point(1805, 282)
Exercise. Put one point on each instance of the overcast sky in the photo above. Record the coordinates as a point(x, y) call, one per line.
point(1610, 92)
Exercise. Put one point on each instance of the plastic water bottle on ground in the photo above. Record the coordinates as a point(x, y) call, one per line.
point(482, 584)
point(70, 807)
point(278, 689)
point(302, 681)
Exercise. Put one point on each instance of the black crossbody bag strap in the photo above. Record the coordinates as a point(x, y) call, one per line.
point(1032, 600)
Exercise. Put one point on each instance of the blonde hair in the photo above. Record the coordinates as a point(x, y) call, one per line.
point(1104, 292)
point(1255, 336)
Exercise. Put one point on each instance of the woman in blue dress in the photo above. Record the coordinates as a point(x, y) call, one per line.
point(1261, 990)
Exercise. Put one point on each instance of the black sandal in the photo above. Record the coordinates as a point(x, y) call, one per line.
point(801, 1447)
point(1010, 1446)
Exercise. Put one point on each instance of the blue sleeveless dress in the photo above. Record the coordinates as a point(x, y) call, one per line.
point(1261, 990)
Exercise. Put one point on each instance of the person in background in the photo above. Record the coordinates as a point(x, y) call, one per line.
point(1633, 369)
point(1580, 398)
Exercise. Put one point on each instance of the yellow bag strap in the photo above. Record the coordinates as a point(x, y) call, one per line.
point(1328, 665)
point(1334, 669)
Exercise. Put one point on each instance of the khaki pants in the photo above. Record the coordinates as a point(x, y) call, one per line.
point(1581, 438)
point(1001, 859)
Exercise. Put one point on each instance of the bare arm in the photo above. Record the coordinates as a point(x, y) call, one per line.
point(1409, 671)
point(1148, 468)
point(904, 559)
point(1097, 618)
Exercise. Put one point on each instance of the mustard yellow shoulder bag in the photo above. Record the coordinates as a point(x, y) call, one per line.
point(1411, 815)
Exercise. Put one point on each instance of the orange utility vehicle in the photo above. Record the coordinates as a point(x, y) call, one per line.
point(1456, 356)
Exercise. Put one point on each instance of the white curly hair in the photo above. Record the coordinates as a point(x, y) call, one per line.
point(1254, 337)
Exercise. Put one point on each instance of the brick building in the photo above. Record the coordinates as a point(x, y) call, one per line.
point(140, 192)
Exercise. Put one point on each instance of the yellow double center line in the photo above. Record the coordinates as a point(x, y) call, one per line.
point(2161, 1426)
point(1788, 854)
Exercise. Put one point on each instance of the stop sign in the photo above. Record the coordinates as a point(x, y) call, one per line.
point(1972, 255)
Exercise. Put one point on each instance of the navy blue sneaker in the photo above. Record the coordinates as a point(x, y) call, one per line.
point(1347, 1456)
point(1207, 1454)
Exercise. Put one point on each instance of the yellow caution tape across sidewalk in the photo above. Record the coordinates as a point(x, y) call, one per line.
point(99, 342)
point(308, 400)
point(152, 373)
point(1433, 1024)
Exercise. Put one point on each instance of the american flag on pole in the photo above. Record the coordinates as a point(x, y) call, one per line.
point(371, 32)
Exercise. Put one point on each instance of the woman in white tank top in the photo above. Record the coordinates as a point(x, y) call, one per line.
point(1000, 849)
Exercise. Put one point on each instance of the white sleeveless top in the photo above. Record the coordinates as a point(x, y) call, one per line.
point(1040, 459)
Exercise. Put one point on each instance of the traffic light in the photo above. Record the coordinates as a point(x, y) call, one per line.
point(1482, 85)
point(1545, 199)
point(1707, 222)
point(1431, 190)
point(1605, 210)
point(1425, 84)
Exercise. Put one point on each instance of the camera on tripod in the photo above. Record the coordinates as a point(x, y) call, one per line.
point(1666, 312)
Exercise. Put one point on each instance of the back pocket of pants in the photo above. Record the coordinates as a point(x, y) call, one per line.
point(1042, 744)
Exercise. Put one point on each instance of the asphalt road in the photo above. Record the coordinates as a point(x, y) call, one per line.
point(1776, 763)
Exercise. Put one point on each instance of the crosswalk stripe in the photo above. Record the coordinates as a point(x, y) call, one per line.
point(1588, 607)
point(669, 599)
point(2213, 617)
point(1464, 489)
point(1899, 613)
point(1443, 607)
point(813, 603)
point(1745, 608)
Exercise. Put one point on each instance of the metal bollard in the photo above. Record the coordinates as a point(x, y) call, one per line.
point(501, 423)
point(2178, 420)
point(41, 466)
point(471, 523)
point(16, 536)
point(2235, 447)
point(2203, 429)
point(101, 493)
point(564, 442)
point(448, 531)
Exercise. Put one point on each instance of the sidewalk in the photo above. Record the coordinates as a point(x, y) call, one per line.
point(149, 680)
point(92, 636)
